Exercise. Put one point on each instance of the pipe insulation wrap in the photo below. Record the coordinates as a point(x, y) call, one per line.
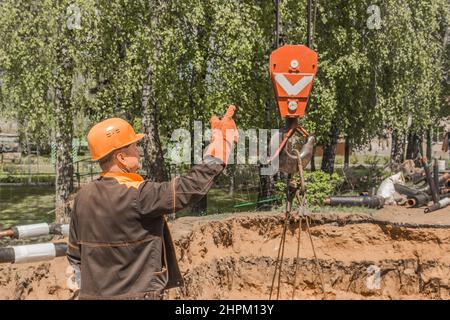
point(34, 252)
point(438, 205)
point(430, 180)
point(33, 230)
point(65, 230)
point(444, 202)
point(60, 229)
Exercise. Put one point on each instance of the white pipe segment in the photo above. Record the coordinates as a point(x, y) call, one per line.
point(65, 230)
point(33, 230)
point(444, 202)
point(34, 252)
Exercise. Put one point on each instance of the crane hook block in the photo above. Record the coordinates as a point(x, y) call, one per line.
point(292, 71)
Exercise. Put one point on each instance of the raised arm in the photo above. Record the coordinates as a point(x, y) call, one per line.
point(180, 192)
point(170, 197)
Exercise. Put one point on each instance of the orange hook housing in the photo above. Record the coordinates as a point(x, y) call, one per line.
point(292, 71)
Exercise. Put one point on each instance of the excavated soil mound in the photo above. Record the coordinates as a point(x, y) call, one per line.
point(43, 280)
point(360, 257)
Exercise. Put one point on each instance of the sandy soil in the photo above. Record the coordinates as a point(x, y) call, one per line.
point(44, 280)
point(393, 253)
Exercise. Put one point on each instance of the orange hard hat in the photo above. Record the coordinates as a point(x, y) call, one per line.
point(109, 135)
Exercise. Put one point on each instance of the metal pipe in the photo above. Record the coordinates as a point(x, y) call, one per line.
point(418, 200)
point(422, 199)
point(411, 202)
point(402, 189)
point(430, 181)
point(417, 178)
point(358, 201)
point(418, 197)
point(436, 174)
point(441, 180)
point(32, 252)
point(439, 205)
point(6, 255)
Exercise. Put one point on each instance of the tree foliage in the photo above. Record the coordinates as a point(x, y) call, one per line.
point(68, 64)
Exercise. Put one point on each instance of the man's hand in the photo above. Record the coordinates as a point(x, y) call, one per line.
point(224, 135)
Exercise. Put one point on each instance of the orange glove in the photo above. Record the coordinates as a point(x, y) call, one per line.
point(224, 135)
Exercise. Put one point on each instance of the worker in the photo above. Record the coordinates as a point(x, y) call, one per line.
point(120, 246)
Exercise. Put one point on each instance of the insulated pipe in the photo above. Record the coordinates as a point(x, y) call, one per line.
point(32, 252)
point(412, 202)
point(443, 179)
point(402, 189)
point(422, 199)
point(430, 181)
point(418, 200)
point(36, 230)
point(416, 178)
point(439, 205)
point(359, 201)
point(436, 174)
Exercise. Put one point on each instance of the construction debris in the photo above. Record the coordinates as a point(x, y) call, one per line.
point(425, 185)
point(411, 186)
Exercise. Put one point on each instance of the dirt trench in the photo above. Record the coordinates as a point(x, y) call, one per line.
point(359, 258)
point(233, 257)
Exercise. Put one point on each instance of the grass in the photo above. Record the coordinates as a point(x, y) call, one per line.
point(220, 201)
point(27, 179)
point(26, 204)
